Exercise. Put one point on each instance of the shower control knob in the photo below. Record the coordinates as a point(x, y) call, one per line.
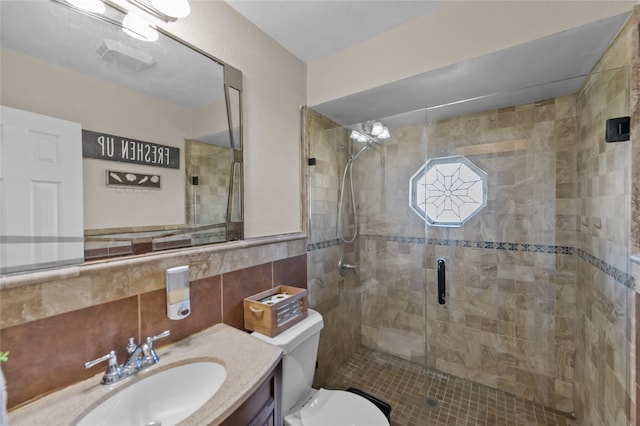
point(344, 266)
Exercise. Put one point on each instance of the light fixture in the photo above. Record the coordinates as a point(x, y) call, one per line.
point(372, 131)
point(358, 137)
point(376, 128)
point(93, 6)
point(125, 56)
point(384, 134)
point(137, 27)
point(172, 8)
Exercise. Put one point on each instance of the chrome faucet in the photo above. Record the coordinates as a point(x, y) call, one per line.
point(344, 266)
point(140, 357)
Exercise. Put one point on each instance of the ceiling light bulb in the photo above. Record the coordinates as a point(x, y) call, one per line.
point(93, 6)
point(173, 8)
point(376, 128)
point(136, 26)
point(384, 134)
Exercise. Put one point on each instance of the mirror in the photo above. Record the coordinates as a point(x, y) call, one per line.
point(161, 126)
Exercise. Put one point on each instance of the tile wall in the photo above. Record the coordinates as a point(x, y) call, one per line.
point(337, 298)
point(65, 317)
point(633, 45)
point(605, 299)
point(392, 249)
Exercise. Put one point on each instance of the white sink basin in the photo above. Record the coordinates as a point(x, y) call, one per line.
point(164, 398)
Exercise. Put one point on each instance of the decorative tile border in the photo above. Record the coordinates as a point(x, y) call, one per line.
point(323, 244)
point(620, 276)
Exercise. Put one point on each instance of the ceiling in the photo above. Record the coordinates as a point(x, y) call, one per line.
point(311, 29)
point(314, 29)
point(549, 67)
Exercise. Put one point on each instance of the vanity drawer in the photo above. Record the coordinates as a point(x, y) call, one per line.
point(263, 406)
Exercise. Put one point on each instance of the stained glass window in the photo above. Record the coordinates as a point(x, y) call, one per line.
point(448, 191)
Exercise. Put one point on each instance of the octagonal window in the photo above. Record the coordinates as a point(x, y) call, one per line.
point(448, 191)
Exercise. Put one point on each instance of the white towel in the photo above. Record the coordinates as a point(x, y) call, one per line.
point(4, 419)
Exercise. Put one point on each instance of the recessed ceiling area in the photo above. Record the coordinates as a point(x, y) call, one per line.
point(552, 66)
point(541, 69)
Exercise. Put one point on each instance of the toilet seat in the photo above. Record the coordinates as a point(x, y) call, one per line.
point(340, 408)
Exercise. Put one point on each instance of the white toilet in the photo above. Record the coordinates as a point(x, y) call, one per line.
point(301, 404)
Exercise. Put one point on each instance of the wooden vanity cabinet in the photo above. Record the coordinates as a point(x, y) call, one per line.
point(263, 406)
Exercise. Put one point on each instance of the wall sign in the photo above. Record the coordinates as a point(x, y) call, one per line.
point(118, 148)
point(132, 180)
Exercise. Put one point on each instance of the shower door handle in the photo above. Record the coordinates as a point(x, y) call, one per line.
point(442, 286)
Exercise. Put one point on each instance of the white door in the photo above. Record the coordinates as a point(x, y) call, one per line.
point(40, 191)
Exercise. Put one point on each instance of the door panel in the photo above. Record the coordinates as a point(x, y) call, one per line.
point(40, 191)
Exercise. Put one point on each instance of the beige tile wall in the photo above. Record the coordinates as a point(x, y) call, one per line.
point(605, 306)
point(633, 44)
point(392, 269)
point(68, 316)
point(337, 298)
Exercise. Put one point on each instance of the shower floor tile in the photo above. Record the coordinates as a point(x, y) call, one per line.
point(426, 397)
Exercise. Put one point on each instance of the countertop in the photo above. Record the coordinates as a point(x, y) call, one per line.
point(248, 362)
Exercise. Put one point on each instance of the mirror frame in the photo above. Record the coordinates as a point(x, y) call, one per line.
point(232, 80)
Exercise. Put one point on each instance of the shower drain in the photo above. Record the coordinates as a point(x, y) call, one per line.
point(432, 403)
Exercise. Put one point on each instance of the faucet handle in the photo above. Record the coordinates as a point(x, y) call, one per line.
point(113, 369)
point(111, 356)
point(131, 346)
point(150, 355)
point(344, 266)
point(159, 336)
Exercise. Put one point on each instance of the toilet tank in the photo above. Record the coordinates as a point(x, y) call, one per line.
point(299, 345)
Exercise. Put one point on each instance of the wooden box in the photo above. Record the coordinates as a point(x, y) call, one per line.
point(275, 310)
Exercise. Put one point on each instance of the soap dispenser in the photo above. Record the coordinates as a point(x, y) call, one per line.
point(178, 302)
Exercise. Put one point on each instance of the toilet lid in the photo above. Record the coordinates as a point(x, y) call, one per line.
point(340, 408)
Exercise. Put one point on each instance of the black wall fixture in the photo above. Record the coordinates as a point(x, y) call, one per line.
point(442, 286)
point(618, 129)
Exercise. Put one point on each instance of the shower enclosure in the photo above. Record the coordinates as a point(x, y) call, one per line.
point(537, 284)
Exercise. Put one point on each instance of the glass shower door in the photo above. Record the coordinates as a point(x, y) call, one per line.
point(536, 280)
point(524, 209)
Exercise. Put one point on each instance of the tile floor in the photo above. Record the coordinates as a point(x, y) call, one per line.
point(409, 388)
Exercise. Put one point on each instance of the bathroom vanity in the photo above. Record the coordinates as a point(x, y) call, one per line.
point(250, 393)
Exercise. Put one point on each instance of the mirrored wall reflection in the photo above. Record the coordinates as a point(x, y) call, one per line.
point(208, 183)
point(141, 97)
